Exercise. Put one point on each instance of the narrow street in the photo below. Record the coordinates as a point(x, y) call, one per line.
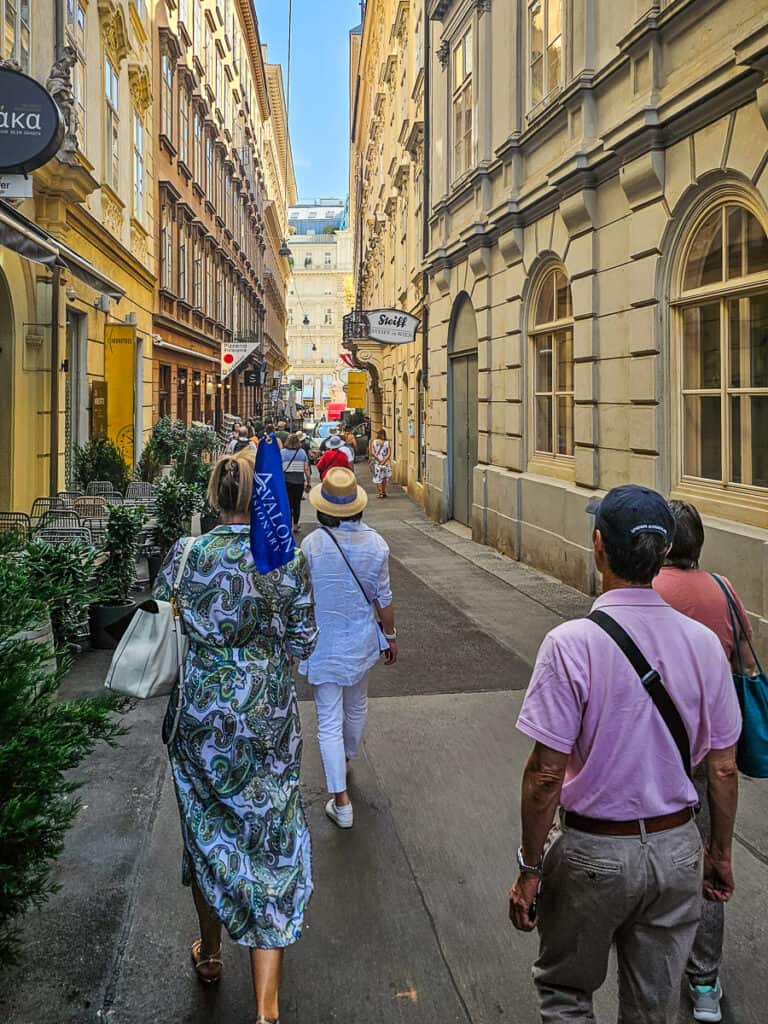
point(408, 921)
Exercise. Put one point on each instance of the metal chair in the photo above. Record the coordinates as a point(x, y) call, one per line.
point(91, 507)
point(67, 498)
point(113, 498)
point(98, 531)
point(64, 534)
point(59, 517)
point(137, 490)
point(16, 523)
point(100, 487)
point(42, 505)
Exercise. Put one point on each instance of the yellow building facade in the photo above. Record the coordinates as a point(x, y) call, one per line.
point(80, 313)
point(387, 193)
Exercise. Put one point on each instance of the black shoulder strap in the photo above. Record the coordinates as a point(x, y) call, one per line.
point(651, 680)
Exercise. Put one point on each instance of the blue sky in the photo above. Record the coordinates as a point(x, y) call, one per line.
point(319, 86)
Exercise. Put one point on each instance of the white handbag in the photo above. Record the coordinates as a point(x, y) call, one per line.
point(149, 660)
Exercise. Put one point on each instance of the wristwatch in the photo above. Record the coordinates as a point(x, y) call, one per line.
point(391, 636)
point(527, 869)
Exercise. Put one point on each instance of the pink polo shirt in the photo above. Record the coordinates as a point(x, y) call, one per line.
point(586, 700)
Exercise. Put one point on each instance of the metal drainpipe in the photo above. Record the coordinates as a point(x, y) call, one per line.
point(58, 46)
point(426, 199)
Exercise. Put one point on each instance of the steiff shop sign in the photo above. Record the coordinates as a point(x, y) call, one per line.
point(391, 327)
point(31, 126)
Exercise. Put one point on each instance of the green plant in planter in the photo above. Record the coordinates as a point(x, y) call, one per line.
point(42, 738)
point(150, 464)
point(63, 578)
point(124, 523)
point(100, 459)
point(192, 457)
point(167, 437)
point(175, 502)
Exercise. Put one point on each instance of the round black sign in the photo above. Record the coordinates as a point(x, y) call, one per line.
point(31, 126)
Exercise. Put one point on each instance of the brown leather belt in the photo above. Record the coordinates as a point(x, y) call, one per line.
point(602, 827)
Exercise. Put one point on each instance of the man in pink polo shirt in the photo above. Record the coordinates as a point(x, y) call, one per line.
point(614, 751)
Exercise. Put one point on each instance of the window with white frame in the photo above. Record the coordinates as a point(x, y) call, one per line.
point(166, 245)
point(184, 13)
point(326, 259)
point(111, 125)
point(183, 260)
point(138, 166)
point(197, 272)
point(76, 39)
point(722, 327)
point(184, 123)
point(16, 31)
point(545, 47)
point(197, 153)
point(328, 320)
point(552, 336)
point(208, 259)
point(463, 104)
point(166, 96)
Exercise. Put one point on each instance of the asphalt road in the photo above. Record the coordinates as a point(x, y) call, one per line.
point(408, 921)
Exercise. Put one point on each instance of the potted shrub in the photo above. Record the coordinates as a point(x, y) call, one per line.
point(100, 459)
point(63, 578)
point(175, 502)
point(42, 738)
point(116, 574)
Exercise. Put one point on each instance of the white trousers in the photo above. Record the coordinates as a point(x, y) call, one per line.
point(341, 715)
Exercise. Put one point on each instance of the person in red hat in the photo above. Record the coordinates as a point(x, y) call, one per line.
point(334, 455)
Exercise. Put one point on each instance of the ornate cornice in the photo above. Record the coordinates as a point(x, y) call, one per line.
point(140, 82)
point(114, 30)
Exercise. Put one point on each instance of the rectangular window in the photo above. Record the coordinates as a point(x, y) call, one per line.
point(183, 260)
point(210, 181)
point(197, 388)
point(326, 259)
point(197, 170)
point(219, 293)
point(138, 167)
point(463, 105)
point(166, 96)
point(183, 124)
point(166, 246)
point(111, 125)
point(184, 12)
point(164, 391)
point(181, 395)
point(76, 39)
point(209, 55)
point(197, 32)
point(545, 40)
point(329, 317)
point(209, 283)
point(16, 26)
point(197, 273)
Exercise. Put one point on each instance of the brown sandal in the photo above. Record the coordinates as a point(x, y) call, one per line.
point(200, 961)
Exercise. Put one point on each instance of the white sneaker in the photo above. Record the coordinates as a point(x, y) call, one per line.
point(706, 1001)
point(341, 816)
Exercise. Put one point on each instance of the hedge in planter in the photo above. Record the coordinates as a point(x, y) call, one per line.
point(100, 459)
point(117, 575)
point(63, 578)
point(41, 739)
point(175, 502)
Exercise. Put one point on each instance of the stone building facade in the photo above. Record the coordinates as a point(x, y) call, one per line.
point(387, 193)
point(319, 297)
point(224, 181)
point(86, 267)
point(598, 272)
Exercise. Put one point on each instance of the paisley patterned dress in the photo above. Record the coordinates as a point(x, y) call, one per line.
point(236, 756)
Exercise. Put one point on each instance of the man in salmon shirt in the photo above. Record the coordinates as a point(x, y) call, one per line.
point(332, 456)
point(619, 707)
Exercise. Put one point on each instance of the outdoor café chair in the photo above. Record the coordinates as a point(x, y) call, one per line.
point(58, 518)
point(100, 487)
point(113, 498)
point(138, 489)
point(64, 534)
point(67, 499)
point(42, 505)
point(16, 523)
point(91, 507)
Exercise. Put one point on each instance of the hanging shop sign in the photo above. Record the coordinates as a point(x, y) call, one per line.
point(233, 353)
point(355, 388)
point(31, 125)
point(252, 378)
point(15, 186)
point(391, 327)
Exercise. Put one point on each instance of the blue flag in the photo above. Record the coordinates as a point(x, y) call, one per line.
point(272, 542)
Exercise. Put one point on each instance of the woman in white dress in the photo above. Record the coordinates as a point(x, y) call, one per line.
point(381, 462)
point(349, 566)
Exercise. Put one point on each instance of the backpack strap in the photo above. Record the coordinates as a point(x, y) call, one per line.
point(651, 680)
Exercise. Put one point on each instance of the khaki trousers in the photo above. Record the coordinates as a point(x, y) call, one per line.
point(639, 893)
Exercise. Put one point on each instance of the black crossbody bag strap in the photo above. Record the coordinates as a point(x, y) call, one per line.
point(651, 680)
point(349, 566)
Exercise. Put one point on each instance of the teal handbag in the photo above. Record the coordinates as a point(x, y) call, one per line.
point(752, 691)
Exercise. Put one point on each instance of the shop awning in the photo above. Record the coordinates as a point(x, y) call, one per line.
point(29, 240)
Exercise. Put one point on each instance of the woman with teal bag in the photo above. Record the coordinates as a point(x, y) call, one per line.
point(712, 601)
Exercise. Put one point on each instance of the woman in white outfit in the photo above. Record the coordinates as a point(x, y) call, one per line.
point(349, 565)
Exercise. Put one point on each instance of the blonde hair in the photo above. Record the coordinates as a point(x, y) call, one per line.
point(292, 441)
point(230, 487)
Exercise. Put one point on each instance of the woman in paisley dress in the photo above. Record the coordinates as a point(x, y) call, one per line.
point(236, 755)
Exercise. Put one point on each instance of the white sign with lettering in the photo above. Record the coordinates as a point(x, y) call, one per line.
point(15, 186)
point(391, 326)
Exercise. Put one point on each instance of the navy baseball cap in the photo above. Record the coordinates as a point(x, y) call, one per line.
point(629, 510)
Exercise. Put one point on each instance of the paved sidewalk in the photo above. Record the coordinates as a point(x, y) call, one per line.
point(408, 922)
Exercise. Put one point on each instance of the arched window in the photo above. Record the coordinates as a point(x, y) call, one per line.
point(722, 330)
point(552, 336)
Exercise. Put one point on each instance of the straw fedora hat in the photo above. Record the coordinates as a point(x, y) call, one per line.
point(339, 494)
